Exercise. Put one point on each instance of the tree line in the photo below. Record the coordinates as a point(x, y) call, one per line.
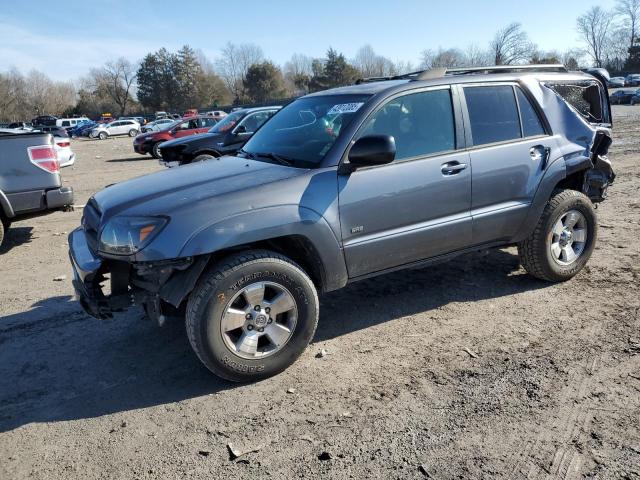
point(242, 74)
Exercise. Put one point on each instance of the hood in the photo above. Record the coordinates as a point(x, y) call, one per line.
point(201, 138)
point(174, 189)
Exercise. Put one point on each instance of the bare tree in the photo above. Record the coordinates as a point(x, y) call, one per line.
point(119, 77)
point(476, 56)
point(401, 67)
point(511, 45)
point(594, 28)
point(297, 73)
point(370, 64)
point(629, 11)
point(233, 64)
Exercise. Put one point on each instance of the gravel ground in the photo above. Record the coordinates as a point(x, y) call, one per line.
point(469, 369)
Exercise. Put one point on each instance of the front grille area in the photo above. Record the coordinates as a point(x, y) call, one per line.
point(91, 224)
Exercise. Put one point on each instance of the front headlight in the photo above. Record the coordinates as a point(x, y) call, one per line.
point(129, 235)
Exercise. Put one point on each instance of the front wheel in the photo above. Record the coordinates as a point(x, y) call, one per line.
point(203, 158)
point(155, 151)
point(252, 315)
point(563, 239)
point(102, 136)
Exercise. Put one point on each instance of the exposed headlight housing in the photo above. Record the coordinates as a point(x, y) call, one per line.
point(129, 235)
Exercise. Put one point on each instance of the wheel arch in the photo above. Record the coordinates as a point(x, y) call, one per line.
point(207, 151)
point(6, 210)
point(296, 232)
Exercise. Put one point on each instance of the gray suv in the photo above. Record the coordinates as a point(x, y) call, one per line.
point(345, 184)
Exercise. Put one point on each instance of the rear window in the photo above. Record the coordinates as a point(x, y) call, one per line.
point(531, 125)
point(493, 114)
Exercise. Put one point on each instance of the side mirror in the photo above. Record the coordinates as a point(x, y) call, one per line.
point(372, 150)
point(240, 130)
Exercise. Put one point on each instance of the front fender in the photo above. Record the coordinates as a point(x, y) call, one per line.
point(270, 223)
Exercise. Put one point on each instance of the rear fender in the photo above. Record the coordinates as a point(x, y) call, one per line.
point(269, 223)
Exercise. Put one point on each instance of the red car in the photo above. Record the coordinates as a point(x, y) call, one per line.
point(150, 142)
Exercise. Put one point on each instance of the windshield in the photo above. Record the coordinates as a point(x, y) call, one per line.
point(228, 122)
point(305, 130)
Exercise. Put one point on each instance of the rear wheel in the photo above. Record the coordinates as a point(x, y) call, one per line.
point(155, 151)
point(564, 238)
point(252, 315)
point(133, 132)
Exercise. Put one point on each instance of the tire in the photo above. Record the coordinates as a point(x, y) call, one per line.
point(102, 135)
point(226, 286)
point(133, 132)
point(546, 254)
point(155, 151)
point(203, 158)
point(4, 226)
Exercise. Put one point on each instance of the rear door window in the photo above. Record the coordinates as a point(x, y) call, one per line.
point(493, 114)
point(531, 125)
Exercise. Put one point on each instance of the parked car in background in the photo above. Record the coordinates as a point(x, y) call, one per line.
point(156, 125)
point(70, 122)
point(219, 114)
point(82, 129)
point(53, 130)
point(635, 100)
point(141, 120)
point(150, 142)
point(225, 138)
point(632, 80)
point(616, 82)
point(21, 126)
point(44, 120)
point(30, 182)
point(621, 97)
point(113, 129)
point(192, 112)
point(66, 157)
point(161, 114)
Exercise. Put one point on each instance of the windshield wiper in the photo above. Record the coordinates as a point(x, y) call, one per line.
point(273, 156)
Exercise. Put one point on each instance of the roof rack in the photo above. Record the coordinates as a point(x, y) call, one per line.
point(441, 72)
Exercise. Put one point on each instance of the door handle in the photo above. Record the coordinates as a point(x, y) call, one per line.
point(452, 168)
point(540, 153)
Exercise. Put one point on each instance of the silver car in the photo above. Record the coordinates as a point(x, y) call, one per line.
point(119, 127)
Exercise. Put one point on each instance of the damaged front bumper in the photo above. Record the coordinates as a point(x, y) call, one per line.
point(88, 274)
point(131, 283)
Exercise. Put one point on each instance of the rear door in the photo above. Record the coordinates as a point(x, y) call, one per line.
point(509, 147)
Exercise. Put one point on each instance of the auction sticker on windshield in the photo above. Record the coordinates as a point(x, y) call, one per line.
point(345, 108)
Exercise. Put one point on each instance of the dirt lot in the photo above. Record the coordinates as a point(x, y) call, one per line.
point(551, 388)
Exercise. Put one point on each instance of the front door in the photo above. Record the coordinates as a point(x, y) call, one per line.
point(417, 206)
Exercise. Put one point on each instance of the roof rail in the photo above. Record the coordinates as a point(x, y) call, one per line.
point(441, 72)
point(554, 67)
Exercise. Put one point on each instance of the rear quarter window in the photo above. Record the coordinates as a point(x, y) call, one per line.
point(531, 124)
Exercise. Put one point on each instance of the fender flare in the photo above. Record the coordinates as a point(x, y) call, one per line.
point(556, 172)
point(211, 152)
point(270, 223)
point(7, 209)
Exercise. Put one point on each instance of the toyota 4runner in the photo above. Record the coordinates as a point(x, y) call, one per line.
point(345, 184)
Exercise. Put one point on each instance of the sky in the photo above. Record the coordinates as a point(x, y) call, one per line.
point(66, 39)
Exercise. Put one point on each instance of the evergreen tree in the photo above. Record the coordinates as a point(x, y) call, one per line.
point(264, 81)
